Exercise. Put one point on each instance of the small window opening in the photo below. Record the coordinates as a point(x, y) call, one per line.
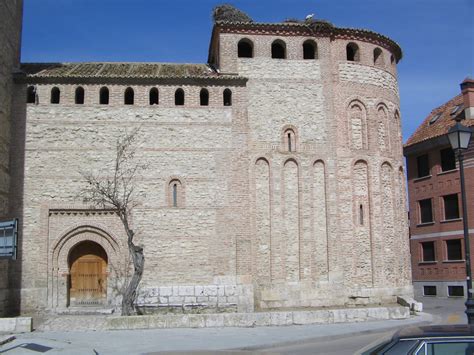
point(453, 249)
point(455, 291)
point(352, 52)
point(422, 165)
point(378, 57)
point(361, 215)
point(245, 48)
point(278, 49)
point(290, 140)
point(175, 195)
point(434, 118)
point(428, 249)
point(179, 97)
point(448, 161)
point(55, 95)
point(227, 96)
point(31, 95)
point(392, 59)
point(309, 50)
point(104, 96)
point(426, 211)
point(79, 96)
point(154, 96)
point(129, 96)
point(204, 97)
point(429, 291)
point(451, 207)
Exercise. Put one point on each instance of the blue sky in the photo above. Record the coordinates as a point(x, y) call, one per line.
point(437, 36)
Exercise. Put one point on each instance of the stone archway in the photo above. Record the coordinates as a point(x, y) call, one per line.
point(85, 243)
point(87, 284)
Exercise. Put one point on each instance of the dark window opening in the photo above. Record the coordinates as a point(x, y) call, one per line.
point(378, 57)
point(429, 291)
point(455, 291)
point(278, 50)
point(179, 97)
point(361, 215)
point(422, 165)
point(453, 248)
point(352, 52)
point(104, 96)
point(204, 97)
point(175, 195)
point(428, 251)
point(154, 96)
point(392, 59)
point(129, 96)
point(451, 207)
point(79, 96)
point(448, 161)
point(227, 96)
point(31, 95)
point(426, 212)
point(245, 49)
point(55, 95)
point(309, 50)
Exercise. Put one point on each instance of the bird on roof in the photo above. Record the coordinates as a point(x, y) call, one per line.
point(309, 17)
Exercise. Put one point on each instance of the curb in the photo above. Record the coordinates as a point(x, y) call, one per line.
point(425, 319)
point(6, 339)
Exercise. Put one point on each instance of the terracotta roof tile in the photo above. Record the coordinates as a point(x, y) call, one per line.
point(431, 128)
point(117, 70)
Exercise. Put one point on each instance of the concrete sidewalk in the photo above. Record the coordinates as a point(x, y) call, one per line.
point(186, 340)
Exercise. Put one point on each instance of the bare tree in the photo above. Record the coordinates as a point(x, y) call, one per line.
point(115, 190)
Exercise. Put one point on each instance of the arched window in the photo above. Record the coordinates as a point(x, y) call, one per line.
point(79, 96)
point(352, 52)
point(204, 97)
point(175, 193)
point(245, 48)
point(55, 95)
point(378, 57)
point(104, 96)
point(179, 97)
point(289, 140)
point(310, 50)
point(227, 96)
point(129, 96)
point(31, 95)
point(361, 215)
point(278, 49)
point(392, 59)
point(154, 98)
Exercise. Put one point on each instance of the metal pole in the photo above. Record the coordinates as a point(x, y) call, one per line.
point(470, 301)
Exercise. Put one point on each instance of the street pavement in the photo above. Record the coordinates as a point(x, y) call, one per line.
point(337, 339)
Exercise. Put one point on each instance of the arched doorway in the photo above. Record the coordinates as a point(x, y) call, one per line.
point(87, 274)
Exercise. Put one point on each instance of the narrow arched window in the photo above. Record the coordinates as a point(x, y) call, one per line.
point(289, 139)
point(129, 96)
point(392, 59)
point(104, 96)
point(227, 96)
point(352, 52)
point(55, 95)
point(204, 97)
point(278, 49)
point(309, 50)
point(175, 193)
point(378, 57)
point(79, 96)
point(179, 97)
point(361, 215)
point(245, 48)
point(31, 95)
point(154, 99)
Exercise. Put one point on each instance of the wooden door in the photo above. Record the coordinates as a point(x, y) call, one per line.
point(88, 278)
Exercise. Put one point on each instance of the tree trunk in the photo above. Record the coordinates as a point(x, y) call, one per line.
point(130, 294)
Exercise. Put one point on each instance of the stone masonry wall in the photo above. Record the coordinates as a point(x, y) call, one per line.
point(10, 37)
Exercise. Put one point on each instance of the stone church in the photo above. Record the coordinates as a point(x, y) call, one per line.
point(275, 175)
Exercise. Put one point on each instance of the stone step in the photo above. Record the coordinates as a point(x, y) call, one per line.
point(85, 311)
